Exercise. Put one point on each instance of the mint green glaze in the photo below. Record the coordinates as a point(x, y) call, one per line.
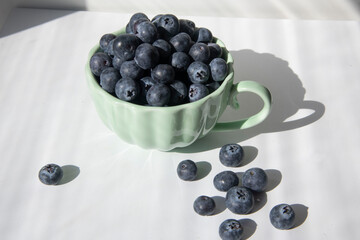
point(165, 128)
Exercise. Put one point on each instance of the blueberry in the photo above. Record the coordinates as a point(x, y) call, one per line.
point(164, 49)
point(98, 62)
point(255, 179)
point(155, 20)
point(231, 155)
point(218, 69)
point(215, 50)
point(135, 17)
point(187, 26)
point(146, 56)
point(146, 31)
point(163, 73)
point(137, 23)
point(239, 200)
point(109, 50)
point(180, 61)
point(109, 78)
point(203, 35)
point(117, 62)
point(181, 42)
point(178, 92)
point(131, 70)
point(168, 26)
point(231, 229)
point(105, 39)
point(197, 91)
point(145, 84)
point(282, 216)
point(125, 45)
point(200, 52)
point(127, 89)
point(198, 72)
point(225, 180)
point(50, 174)
point(128, 29)
point(212, 86)
point(187, 170)
point(158, 95)
point(204, 206)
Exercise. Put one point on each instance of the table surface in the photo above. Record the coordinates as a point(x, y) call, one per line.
point(112, 190)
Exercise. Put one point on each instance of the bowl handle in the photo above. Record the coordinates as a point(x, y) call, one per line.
point(247, 86)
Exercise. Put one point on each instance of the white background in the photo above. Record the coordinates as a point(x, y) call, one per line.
point(112, 190)
point(283, 9)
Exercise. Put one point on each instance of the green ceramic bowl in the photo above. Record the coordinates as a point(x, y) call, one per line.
point(165, 128)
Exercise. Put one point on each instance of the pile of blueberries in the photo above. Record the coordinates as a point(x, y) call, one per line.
point(164, 61)
point(239, 199)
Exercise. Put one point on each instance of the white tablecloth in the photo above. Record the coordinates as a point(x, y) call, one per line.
point(113, 190)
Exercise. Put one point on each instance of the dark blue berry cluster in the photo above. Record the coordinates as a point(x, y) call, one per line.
point(164, 61)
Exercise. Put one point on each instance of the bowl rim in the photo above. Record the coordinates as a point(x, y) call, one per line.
point(91, 79)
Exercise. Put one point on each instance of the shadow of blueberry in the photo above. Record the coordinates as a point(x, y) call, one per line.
point(249, 227)
point(220, 204)
point(301, 213)
point(240, 176)
point(260, 199)
point(70, 173)
point(250, 153)
point(203, 169)
point(274, 179)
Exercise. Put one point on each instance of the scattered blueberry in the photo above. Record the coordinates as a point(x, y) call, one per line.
point(225, 180)
point(204, 206)
point(131, 70)
point(231, 155)
point(282, 216)
point(255, 179)
point(218, 69)
point(158, 95)
point(98, 62)
point(197, 91)
point(146, 56)
point(187, 170)
point(50, 174)
point(109, 78)
point(239, 200)
point(127, 89)
point(231, 229)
